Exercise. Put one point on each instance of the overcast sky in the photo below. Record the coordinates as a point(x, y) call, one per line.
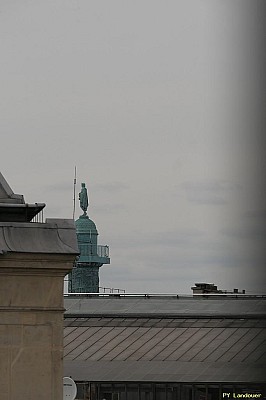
point(159, 105)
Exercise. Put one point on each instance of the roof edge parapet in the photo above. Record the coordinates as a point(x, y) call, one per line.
point(7, 195)
point(13, 207)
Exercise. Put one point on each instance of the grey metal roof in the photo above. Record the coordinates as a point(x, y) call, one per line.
point(161, 371)
point(208, 343)
point(181, 350)
point(165, 306)
point(165, 339)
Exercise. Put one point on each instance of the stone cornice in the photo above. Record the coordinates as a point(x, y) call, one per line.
point(57, 237)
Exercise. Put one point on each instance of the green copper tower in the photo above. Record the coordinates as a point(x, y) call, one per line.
point(84, 277)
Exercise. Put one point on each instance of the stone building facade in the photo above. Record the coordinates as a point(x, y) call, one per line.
point(34, 258)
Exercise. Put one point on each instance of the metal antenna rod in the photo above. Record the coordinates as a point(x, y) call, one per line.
point(74, 194)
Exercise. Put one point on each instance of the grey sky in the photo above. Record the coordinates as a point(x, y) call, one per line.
point(158, 104)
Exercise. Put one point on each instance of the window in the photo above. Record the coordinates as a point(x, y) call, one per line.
point(132, 391)
point(160, 391)
point(186, 392)
point(173, 392)
point(146, 392)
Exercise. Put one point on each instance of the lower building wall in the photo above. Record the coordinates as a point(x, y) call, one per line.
point(30, 356)
point(168, 391)
point(31, 326)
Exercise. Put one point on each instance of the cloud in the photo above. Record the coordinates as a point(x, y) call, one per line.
point(109, 208)
point(250, 226)
point(59, 187)
point(174, 260)
point(246, 232)
point(113, 187)
point(213, 192)
point(256, 215)
point(183, 238)
point(176, 270)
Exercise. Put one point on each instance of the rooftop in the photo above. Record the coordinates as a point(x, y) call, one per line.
point(165, 305)
point(165, 338)
point(13, 207)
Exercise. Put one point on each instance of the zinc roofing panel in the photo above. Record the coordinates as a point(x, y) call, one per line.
point(107, 344)
point(122, 347)
point(227, 344)
point(73, 335)
point(93, 343)
point(189, 342)
point(257, 354)
point(119, 343)
point(167, 336)
point(145, 334)
point(207, 345)
point(68, 321)
point(239, 344)
point(68, 330)
point(209, 336)
point(107, 352)
point(79, 340)
point(98, 322)
point(182, 335)
point(213, 345)
point(250, 347)
point(165, 322)
point(154, 345)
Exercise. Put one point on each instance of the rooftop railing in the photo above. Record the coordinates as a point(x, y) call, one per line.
point(88, 249)
point(116, 293)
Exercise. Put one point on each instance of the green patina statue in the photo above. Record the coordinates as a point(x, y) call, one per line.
point(83, 199)
point(84, 278)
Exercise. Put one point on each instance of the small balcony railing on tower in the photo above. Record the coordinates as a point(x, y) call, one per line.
point(90, 249)
point(103, 251)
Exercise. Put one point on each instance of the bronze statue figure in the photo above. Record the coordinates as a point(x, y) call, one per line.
point(83, 199)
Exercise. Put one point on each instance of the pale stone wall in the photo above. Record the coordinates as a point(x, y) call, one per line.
point(31, 325)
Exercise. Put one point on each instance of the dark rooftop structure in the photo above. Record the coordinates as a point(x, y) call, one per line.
point(13, 207)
